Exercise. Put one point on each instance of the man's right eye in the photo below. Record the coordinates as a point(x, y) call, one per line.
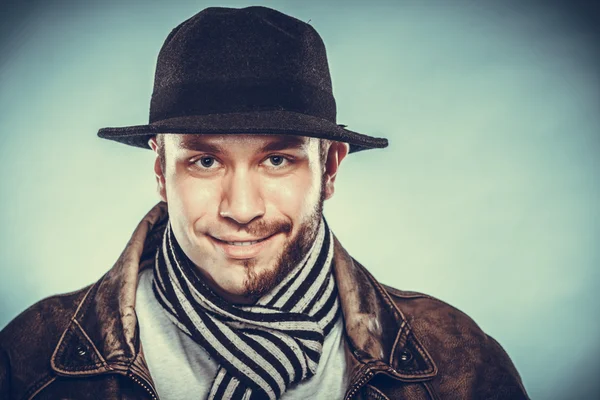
point(205, 162)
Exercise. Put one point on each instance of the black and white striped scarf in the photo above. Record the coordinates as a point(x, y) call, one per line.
point(262, 349)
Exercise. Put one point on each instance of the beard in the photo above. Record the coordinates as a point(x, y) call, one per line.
point(258, 283)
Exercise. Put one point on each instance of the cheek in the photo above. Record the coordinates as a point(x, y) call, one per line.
point(189, 198)
point(295, 195)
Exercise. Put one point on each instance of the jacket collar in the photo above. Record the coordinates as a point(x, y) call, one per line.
point(103, 335)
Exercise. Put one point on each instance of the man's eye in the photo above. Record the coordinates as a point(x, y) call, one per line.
point(206, 162)
point(277, 160)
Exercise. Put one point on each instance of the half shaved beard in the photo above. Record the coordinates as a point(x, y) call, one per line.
point(256, 283)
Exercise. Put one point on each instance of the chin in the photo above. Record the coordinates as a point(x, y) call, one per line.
point(253, 279)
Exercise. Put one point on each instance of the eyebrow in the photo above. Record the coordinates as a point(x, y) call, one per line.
point(198, 143)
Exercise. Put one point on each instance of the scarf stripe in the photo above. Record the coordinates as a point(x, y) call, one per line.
point(289, 347)
point(262, 349)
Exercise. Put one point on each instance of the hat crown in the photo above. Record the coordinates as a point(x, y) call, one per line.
point(229, 60)
point(248, 43)
point(252, 70)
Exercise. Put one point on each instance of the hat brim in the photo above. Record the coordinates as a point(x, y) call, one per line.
point(264, 122)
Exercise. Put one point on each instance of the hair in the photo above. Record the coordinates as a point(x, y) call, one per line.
point(160, 142)
point(324, 145)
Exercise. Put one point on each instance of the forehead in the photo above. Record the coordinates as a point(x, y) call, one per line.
point(255, 142)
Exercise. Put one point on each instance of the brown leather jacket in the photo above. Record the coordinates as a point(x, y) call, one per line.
point(399, 345)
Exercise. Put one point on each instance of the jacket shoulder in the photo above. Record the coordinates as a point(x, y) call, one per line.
point(28, 341)
point(423, 308)
point(468, 359)
point(434, 320)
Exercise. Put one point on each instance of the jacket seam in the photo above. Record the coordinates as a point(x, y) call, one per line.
point(379, 392)
point(73, 292)
point(404, 294)
point(419, 349)
point(400, 338)
point(100, 357)
point(430, 391)
point(424, 296)
point(82, 368)
point(62, 337)
point(87, 301)
point(39, 386)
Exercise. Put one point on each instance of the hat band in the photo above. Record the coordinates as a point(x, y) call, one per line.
point(200, 99)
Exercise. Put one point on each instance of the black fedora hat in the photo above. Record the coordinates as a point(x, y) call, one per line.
point(243, 71)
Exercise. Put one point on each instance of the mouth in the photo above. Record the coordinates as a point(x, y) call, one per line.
point(243, 243)
point(242, 250)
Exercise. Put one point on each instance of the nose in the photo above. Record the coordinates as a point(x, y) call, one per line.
point(242, 200)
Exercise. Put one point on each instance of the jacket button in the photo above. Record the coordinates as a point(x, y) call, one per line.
point(405, 357)
point(81, 351)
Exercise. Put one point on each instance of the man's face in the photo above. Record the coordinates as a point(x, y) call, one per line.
point(245, 208)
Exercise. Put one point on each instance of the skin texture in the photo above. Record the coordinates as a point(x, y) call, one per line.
point(233, 186)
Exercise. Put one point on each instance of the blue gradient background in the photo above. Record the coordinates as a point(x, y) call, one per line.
point(486, 198)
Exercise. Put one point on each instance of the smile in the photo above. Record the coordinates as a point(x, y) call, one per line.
point(241, 250)
point(244, 243)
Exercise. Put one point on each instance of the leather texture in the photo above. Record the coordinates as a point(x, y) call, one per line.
point(399, 345)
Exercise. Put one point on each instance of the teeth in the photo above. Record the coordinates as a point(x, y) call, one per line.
point(243, 243)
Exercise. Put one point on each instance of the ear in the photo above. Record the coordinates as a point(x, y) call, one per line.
point(158, 171)
point(337, 152)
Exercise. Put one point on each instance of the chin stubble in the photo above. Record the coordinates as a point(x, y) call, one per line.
point(259, 283)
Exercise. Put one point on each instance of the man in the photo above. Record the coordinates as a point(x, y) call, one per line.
point(234, 285)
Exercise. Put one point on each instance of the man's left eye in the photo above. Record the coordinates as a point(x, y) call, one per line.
point(277, 160)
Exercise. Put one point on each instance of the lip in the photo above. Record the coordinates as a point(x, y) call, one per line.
point(242, 252)
point(233, 239)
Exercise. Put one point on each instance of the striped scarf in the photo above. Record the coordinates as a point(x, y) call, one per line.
point(262, 349)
